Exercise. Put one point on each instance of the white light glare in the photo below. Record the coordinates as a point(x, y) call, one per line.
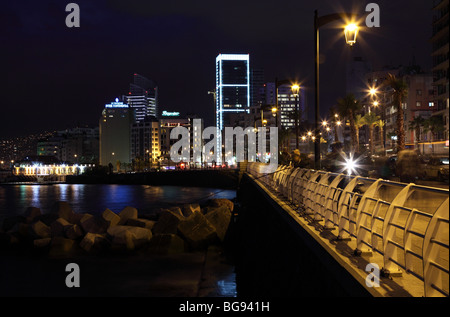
point(350, 165)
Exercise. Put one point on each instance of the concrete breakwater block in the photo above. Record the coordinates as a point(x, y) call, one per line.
point(164, 243)
point(217, 202)
point(94, 242)
point(197, 231)
point(110, 217)
point(129, 237)
point(168, 221)
point(127, 213)
point(182, 228)
point(219, 218)
point(143, 223)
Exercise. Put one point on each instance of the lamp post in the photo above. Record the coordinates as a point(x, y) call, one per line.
point(350, 32)
point(373, 91)
point(295, 89)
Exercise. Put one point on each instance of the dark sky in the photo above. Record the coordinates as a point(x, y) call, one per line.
point(54, 77)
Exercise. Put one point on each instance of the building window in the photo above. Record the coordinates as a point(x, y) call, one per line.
point(418, 104)
point(419, 92)
point(431, 104)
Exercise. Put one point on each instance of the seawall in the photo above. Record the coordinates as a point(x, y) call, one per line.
point(275, 257)
point(224, 178)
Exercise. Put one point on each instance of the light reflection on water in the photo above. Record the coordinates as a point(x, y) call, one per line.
point(14, 199)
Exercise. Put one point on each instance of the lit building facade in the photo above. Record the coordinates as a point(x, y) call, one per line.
point(232, 86)
point(115, 124)
point(232, 92)
point(142, 97)
point(167, 124)
point(145, 140)
point(440, 46)
point(47, 166)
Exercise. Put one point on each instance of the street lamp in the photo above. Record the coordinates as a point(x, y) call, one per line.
point(295, 89)
point(350, 32)
point(275, 114)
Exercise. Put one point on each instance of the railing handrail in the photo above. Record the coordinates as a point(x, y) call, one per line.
point(388, 225)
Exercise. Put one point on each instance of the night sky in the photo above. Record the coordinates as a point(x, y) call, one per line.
point(55, 77)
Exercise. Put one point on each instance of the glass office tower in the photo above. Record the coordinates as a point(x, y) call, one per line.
point(232, 87)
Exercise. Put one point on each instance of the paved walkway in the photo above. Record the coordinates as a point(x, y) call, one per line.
point(198, 274)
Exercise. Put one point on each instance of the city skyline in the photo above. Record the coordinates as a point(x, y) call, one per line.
point(57, 70)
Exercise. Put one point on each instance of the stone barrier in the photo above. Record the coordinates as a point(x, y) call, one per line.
point(62, 232)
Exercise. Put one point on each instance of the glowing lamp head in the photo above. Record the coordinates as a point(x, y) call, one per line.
point(350, 165)
point(295, 89)
point(351, 31)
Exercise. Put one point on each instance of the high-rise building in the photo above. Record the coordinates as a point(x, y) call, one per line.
point(232, 87)
point(256, 84)
point(439, 54)
point(287, 103)
point(115, 123)
point(145, 141)
point(76, 145)
point(143, 97)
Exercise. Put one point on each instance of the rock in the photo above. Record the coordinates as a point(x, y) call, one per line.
point(93, 242)
point(48, 219)
point(42, 243)
point(40, 230)
point(166, 244)
point(77, 217)
point(189, 209)
point(111, 218)
point(127, 213)
point(129, 237)
point(197, 231)
point(219, 217)
point(22, 230)
point(177, 211)
point(60, 246)
point(63, 210)
point(217, 202)
point(58, 227)
point(143, 223)
point(73, 232)
point(31, 214)
point(10, 222)
point(93, 224)
point(168, 222)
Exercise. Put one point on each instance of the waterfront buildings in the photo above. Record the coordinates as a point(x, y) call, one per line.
point(440, 51)
point(77, 145)
point(115, 122)
point(232, 87)
point(145, 141)
point(142, 97)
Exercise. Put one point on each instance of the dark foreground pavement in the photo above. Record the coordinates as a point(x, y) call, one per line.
point(193, 274)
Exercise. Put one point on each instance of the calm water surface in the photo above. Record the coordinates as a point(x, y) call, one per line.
point(14, 199)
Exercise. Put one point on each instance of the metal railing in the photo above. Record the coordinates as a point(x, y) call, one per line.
point(407, 224)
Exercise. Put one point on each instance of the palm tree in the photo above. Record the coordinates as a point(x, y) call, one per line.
point(347, 107)
point(400, 91)
point(359, 123)
point(380, 124)
point(370, 119)
point(415, 125)
point(334, 120)
point(434, 125)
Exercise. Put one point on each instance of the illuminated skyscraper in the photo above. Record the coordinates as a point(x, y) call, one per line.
point(232, 87)
point(143, 97)
point(115, 133)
